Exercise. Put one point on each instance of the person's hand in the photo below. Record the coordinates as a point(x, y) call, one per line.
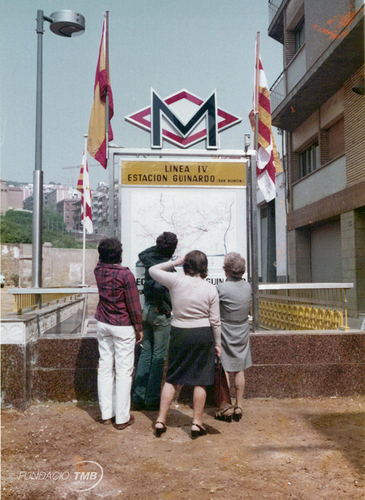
point(218, 350)
point(179, 260)
point(139, 337)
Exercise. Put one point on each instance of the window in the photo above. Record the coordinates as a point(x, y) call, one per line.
point(336, 139)
point(299, 35)
point(309, 160)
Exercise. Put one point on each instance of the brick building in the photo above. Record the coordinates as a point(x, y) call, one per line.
point(319, 102)
point(66, 208)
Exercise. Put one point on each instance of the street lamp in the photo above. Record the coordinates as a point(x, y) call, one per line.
point(64, 23)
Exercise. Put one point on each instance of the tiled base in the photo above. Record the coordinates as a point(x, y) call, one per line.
point(15, 375)
point(285, 365)
point(66, 368)
point(298, 364)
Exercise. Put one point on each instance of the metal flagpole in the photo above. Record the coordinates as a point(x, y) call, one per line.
point(84, 225)
point(254, 242)
point(111, 169)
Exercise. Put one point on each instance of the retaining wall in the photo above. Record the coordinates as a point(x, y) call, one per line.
point(44, 361)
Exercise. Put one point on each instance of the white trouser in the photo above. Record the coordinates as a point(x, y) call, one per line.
point(116, 349)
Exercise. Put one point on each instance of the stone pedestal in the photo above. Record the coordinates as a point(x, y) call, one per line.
point(19, 335)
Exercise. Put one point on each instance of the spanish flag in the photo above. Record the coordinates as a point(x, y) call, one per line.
point(100, 130)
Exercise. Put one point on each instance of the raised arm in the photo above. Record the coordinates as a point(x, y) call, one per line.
point(160, 272)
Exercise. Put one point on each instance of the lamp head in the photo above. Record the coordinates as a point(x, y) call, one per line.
point(67, 23)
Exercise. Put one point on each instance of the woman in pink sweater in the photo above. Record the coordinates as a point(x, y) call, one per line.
point(195, 334)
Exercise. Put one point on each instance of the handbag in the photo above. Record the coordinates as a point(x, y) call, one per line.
point(222, 396)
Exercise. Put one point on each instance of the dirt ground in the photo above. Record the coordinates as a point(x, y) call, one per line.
point(303, 449)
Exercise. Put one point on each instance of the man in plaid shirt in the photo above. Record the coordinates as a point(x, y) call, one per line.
point(119, 327)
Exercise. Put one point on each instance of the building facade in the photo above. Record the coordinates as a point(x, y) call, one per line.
point(66, 208)
point(319, 102)
point(12, 197)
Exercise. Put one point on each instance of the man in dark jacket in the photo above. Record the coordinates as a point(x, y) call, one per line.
point(156, 327)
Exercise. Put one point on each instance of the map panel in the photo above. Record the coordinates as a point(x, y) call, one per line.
point(203, 219)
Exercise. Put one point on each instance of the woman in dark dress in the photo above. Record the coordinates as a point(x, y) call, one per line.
point(195, 334)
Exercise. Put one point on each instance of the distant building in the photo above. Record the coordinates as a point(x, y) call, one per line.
point(319, 102)
point(12, 197)
point(52, 194)
point(4, 197)
point(100, 211)
point(66, 208)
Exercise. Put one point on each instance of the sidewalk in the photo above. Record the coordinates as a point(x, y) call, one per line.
point(303, 449)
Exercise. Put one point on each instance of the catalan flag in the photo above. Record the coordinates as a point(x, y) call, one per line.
point(268, 160)
point(100, 132)
point(83, 185)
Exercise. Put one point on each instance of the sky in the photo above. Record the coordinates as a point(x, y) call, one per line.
point(167, 45)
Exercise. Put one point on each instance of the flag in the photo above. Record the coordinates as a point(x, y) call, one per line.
point(268, 160)
point(83, 185)
point(97, 136)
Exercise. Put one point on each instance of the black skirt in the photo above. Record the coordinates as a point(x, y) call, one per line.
point(191, 356)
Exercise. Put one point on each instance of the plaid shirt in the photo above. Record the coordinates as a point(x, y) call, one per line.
point(118, 296)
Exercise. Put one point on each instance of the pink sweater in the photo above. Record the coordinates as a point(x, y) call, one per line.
point(195, 302)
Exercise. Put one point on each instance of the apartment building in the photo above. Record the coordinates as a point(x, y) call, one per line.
point(66, 208)
point(319, 102)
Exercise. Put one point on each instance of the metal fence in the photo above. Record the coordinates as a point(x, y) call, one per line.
point(304, 306)
point(289, 306)
point(28, 299)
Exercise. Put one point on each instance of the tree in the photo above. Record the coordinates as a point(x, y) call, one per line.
point(16, 228)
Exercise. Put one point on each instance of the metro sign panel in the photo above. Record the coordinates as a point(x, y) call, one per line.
point(183, 119)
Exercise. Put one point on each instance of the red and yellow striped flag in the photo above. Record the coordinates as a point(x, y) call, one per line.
point(268, 160)
point(83, 185)
point(97, 136)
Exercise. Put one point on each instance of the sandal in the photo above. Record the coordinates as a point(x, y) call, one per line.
point(200, 432)
point(237, 415)
point(160, 430)
point(225, 414)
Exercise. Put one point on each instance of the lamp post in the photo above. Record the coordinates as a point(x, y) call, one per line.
point(252, 243)
point(64, 23)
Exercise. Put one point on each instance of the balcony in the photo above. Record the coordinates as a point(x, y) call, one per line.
point(311, 87)
point(277, 91)
point(327, 180)
point(276, 19)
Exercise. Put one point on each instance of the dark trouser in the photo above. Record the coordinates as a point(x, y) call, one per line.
point(147, 381)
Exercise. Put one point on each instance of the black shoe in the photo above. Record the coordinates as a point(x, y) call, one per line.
point(160, 430)
point(237, 415)
point(200, 432)
point(225, 415)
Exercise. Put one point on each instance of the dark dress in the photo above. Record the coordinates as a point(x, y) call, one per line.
point(191, 356)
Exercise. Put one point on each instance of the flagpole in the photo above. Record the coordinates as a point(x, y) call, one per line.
point(254, 242)
point(111, 169)
point(84, 225)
